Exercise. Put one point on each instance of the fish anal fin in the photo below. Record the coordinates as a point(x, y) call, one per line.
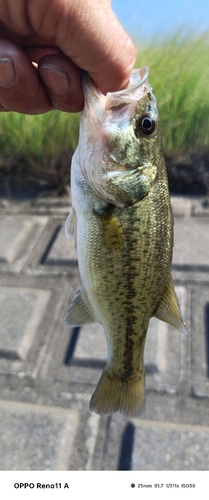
point(168, 309)
point(118, 394)
point(79, 312)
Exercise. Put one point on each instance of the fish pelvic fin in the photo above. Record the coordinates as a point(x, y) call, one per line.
point(168, 309)
point(79, 312)
point(118, 394)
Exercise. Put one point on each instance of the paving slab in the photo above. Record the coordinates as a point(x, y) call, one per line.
point(181, 206)
point(200, 206)
point(19, 235)
point(156, 446)
point(31, 311)
point(51, 206)
point(21, 312)
point(191, 242)
point(61, 250)
point(200, 341)
point(69, 362)
point(36, 437)
point(89, 441)
point(36, 206)
point(53, 252)
point(49, 371)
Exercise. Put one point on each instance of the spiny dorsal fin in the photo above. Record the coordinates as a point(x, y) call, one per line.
point(168, 309)
point(79, 312)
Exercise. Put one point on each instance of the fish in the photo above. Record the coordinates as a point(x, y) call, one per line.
point(122, 223)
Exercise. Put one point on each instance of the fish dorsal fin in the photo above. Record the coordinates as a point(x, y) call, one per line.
point(79, 312)
point(168, 309)
point(70, 226)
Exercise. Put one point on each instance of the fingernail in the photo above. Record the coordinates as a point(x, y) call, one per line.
point(56, 79)
point(8, 75)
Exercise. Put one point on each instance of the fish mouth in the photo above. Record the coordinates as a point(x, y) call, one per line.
point(126, 96)
point(138, 77)
point(134, 91)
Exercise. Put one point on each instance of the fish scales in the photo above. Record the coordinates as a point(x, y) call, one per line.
point(124, 234)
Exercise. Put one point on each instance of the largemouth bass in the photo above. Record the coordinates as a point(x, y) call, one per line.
point(123, 227)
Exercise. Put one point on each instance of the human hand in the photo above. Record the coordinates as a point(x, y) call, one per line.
point(60, 37)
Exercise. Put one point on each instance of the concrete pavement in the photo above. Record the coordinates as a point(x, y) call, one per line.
point(48, 371)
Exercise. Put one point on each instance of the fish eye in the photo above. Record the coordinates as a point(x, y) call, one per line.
point(145, 125)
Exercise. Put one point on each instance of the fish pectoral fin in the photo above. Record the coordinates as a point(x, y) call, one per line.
point(79, 312)
point(111, 229)
point(168, 309)
point(70, 226)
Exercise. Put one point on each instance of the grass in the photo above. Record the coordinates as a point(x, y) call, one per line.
point(41, 146)
point(179, 74)
point(38, 136)
point(37, 150)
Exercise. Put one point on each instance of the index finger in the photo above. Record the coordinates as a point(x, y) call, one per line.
point(96, 42)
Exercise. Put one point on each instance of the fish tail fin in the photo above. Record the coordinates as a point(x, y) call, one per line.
point(118, 394)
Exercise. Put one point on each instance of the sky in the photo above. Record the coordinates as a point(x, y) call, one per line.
point(146, 19)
